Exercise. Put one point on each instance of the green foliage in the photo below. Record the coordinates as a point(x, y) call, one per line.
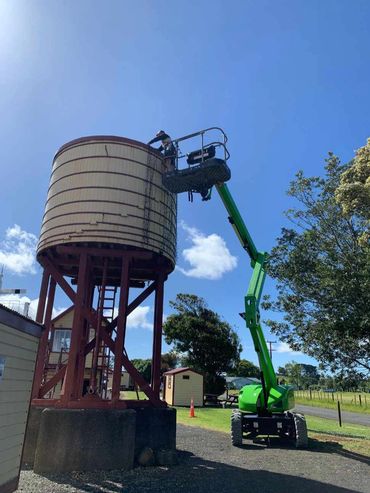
point(322, 268)
point(353, 192)
point(245, 368)
point(144, 366)
point(207, 343)
point(301, 375)
point(169, 361)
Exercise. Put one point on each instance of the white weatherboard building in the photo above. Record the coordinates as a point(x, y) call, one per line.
point(19, 340)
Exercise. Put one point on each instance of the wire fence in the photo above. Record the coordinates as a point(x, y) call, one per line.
point(21, 307)
point(360, 399)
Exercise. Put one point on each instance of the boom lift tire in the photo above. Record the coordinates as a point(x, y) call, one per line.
point(236, 428)
point(301, 438)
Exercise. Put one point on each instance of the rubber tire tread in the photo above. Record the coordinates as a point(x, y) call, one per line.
point(301, 437)
point(236, 428)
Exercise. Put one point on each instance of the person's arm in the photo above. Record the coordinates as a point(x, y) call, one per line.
point(156, 139)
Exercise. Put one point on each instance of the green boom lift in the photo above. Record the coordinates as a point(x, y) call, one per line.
point(264, 408)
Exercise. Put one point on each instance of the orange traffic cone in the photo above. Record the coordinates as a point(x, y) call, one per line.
point(192, 413)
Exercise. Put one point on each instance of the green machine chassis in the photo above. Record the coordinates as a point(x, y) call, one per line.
point(263, 407)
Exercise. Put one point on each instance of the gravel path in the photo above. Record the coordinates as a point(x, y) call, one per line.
point(208, 462)
point(347, 417)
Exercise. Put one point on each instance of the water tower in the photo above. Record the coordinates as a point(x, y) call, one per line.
point(108, 241)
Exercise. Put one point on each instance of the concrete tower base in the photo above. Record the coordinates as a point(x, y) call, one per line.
point(62, 440)
point(85, 440)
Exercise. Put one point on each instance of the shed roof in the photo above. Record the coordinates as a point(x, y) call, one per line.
point(20, 322)
point(175, 371)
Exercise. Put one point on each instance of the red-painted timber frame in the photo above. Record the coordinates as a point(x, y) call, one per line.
point(88, 259)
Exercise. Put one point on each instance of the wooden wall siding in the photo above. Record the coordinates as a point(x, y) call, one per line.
point(19, 350)
point(186, 389)
point(126, 380)
point(65, 321)
point(169, 383)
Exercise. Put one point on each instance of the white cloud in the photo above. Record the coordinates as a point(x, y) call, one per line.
point(17, 251)
point(208, 256)
point(138, 319)
point(18, 303)
point(283, 347)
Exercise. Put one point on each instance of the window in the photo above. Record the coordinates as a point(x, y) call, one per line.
point(186, 377)
point(62, 340)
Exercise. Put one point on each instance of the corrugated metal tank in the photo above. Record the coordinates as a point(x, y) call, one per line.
point(108, 190)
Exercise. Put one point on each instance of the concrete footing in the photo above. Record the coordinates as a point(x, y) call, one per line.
point(85, 440)
point(32, 433)
point(61, 440)
point(155, 428)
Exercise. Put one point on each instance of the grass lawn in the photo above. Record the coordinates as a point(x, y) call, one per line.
point(323, 433)
point(131, 394)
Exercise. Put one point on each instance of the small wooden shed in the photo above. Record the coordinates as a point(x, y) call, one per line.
point(19, 339)
point(181, 385)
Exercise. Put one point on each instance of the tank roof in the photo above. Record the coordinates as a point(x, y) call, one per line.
point(112, 138)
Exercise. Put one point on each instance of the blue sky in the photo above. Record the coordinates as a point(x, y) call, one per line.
point(287, 80)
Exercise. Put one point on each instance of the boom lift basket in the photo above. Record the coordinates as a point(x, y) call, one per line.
point(196, 178)
point(205, 169)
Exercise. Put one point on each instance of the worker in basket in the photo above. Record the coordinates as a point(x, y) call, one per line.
point(167, 147)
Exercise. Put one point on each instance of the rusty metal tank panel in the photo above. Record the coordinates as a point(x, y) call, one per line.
point(108, 191)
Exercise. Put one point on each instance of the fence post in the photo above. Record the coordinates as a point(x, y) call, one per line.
point(359, 397)
point(339, 415)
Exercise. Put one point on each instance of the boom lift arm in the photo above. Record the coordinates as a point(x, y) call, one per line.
point(264, 408)
point(254, 293)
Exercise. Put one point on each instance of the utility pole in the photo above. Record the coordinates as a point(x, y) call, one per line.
point(270, 343)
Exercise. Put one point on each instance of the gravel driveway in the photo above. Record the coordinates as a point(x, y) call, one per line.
point(207, 462)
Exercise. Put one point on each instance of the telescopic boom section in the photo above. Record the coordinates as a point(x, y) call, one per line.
point(254, 293)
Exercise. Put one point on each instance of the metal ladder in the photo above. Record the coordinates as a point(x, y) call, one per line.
point(106, 299)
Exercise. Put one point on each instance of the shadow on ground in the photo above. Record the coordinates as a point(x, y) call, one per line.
point(313, 446)
point(194, 475)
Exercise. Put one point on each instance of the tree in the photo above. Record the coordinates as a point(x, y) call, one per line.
point(245, 368)
point(293, 371)
point(309, 375)
point(169, 361)
point(322, 268)
point(207, 343)
point(143, 366)
point(353, 192)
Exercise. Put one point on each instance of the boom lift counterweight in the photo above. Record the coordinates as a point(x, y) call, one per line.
point(264, 409)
